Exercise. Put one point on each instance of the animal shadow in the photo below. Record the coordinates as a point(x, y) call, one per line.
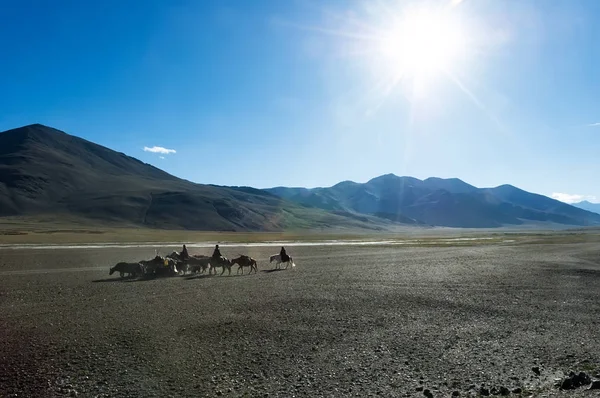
point(268, 271)
point(194, 277)
point(119, 279)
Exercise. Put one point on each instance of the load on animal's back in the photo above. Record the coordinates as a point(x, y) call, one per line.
point(245, 261)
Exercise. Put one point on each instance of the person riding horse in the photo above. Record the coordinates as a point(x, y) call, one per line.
point(217, 254)
point(184, 253)
point(284, 257)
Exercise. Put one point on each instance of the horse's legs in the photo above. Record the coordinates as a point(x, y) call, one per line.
point(122, 274)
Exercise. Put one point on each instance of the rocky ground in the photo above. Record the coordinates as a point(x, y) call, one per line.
point(347, 321)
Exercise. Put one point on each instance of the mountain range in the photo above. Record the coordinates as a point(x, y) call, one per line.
point(585, 205)
point(441, 202)
point(44, 171)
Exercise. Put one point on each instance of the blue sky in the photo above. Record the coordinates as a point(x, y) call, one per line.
point(298, 93)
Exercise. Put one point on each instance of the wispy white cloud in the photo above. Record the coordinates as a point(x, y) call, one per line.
point(159, 149)
point(594, 124)
point(572, 198)
point(161, 157)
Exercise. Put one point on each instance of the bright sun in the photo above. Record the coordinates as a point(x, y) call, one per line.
point(420, 44)
point(423, 41)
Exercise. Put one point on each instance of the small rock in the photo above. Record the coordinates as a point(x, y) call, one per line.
point(484, 391)
point(504, 391)
point(516, 390)
point(536, 370)
point(575, 381)
point(455, 393)
point(428, 394)
point(595, 385)
point(420, 388)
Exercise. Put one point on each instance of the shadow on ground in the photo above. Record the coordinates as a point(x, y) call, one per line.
point(268, 271)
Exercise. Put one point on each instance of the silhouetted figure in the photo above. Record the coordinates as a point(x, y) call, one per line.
point(284, 257)
point(217, 253)
point(184, 253)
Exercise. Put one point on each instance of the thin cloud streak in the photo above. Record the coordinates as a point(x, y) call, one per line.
point(594, 124)
point(159, 149)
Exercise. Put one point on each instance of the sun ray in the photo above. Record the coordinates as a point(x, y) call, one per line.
point(476, 101)
point(331, 32)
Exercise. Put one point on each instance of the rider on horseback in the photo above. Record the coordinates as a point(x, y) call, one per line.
point(184, 253)
point(284, 257)
point(217, 253)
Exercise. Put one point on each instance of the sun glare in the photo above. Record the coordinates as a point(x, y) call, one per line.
point(407, 46)
point(420, 44)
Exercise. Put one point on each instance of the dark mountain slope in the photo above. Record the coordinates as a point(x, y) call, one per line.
point(46, 171)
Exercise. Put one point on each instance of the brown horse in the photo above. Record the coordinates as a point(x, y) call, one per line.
point(245, 261)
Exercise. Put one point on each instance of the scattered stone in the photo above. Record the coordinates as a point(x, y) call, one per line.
point(517, 390)
point(575, 380)
point(428, 394)
point(536, 370)
point(504, 391)
point(420, 388)
point(455, 394)
point(595, 385)
point(484, 391)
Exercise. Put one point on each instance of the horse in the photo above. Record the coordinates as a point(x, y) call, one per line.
point(245, 261)
point(160, 266)
point(198, 263)
point(133, 269)
point(182, 264)
point(219, 262)
point(278, 260)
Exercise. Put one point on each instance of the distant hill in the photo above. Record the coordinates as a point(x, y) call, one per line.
point(44, 171)
point(585, 205)
point(440, 202)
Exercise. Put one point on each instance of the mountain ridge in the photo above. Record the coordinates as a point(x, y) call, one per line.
point(589, 206)
point(45, 171)
point(441, 202)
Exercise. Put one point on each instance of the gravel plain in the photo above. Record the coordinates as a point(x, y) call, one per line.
point(358, 321)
